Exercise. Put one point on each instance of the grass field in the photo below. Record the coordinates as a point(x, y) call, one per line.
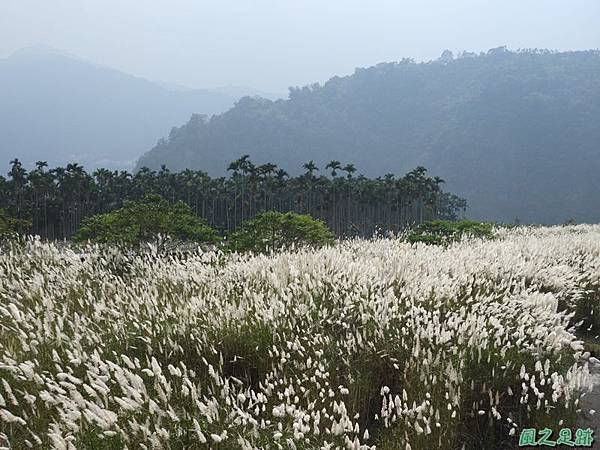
point(363, 344)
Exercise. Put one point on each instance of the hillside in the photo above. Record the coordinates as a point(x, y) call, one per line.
point(62, 109)
point(516, 133)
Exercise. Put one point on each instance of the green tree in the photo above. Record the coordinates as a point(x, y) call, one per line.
point(10, 226)
point(146, 221)
point(272, 230)
point(310, 168)
point(334, 166)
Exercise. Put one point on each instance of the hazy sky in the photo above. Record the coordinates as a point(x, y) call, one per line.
point(273, 44)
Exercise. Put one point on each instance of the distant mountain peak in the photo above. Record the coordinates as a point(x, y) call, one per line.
point(246, 91)
point(61, 108)
point(41, 50)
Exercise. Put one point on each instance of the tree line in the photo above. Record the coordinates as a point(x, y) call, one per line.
point(53, 202)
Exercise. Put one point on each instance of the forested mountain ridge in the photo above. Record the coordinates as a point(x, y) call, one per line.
point(516, 133)
point(60, 109)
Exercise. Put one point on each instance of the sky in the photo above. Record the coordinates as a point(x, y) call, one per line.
point(273, 44)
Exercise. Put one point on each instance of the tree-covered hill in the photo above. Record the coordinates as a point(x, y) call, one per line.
point(516, 133)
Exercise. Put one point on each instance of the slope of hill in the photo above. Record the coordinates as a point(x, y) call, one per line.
point(516, 133)
point(61, 109)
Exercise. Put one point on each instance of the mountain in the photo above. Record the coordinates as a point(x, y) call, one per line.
point(60, 108)
point(246, 91)
point(516, 133)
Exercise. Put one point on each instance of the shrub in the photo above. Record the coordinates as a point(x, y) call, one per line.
point(441, 232)
point(10, 226)
point(272, 230)
point(146, 221)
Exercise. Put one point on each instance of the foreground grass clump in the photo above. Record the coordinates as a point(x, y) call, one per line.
point(367, 343)
point(443, 232)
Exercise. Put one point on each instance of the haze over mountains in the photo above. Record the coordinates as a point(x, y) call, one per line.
point(59, 108)
point(515, 133)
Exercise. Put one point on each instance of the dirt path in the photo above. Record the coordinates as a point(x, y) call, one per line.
point(591, 401)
